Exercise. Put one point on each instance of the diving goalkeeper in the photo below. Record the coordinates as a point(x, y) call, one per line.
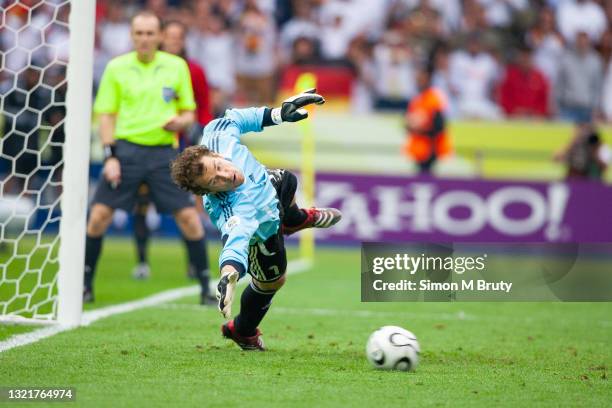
point(252, 207)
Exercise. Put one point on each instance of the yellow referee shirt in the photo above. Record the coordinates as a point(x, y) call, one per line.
point(145, 96)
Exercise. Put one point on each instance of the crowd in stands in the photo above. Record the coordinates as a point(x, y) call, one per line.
point(492, 58)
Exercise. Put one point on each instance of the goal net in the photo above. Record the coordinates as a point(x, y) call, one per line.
point(46, 53)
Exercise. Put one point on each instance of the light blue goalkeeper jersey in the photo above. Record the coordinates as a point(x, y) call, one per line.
point(250, 213)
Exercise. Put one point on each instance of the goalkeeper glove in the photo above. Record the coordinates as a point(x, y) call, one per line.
point(291, 109)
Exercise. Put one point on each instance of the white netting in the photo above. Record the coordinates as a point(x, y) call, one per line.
point(33, 61)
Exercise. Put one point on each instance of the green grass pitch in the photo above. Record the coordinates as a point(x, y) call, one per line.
point(474, 354)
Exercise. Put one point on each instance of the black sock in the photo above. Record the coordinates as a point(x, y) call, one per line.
point(198, 257)
point(294, 216)
point(254, 305)
point(93, 246)
point(141, 235)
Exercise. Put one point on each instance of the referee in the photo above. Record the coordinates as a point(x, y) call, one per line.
point(145, 98)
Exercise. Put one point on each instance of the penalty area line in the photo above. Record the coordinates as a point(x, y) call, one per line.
point(89, 317)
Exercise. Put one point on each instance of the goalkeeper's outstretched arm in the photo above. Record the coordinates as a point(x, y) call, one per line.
point(292, 109)
point(255, 119)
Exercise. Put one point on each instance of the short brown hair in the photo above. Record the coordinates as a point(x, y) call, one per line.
point(188, 167)
point(180, 24)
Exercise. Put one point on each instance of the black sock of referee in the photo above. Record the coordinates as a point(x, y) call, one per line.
point(198, 257)
point(141, 235)
point(294, 216)
point(254, 305)
point(93, 246)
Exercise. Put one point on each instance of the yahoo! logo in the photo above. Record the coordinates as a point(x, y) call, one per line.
point(423, 207)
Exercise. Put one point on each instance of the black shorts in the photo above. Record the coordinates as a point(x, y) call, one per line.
point(268, 260)
point(148, 165)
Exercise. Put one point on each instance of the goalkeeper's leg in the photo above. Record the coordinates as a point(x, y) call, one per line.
point(300, 218)
point(293, 217)
point(267, 266)
point(254, 304)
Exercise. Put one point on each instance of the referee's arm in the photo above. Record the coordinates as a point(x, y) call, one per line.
point(112, 169)
point(107, 128)
point(180, 122)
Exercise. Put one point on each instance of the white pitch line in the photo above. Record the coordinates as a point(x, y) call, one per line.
point(460, 315)
point(91, 316)
point(341, 312)
point(166, 296)
point(31, 337)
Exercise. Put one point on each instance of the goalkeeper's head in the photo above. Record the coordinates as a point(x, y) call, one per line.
point(202, 171)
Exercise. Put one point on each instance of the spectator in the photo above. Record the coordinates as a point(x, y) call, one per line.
point(336, 30)
point(394, 67)
point(55, 113)
point(229, 9)
point(586, 156)
point(441, 76)
point(426, 124)
point(604, 47)
point(157, 7)
point(524, 90)
point(256, 57)
point(607, 94)
point(362, 91)
point(474, 18)
point(301, 27)
point(501, 13)
point(305, 51)
point(547, 45)
point(23, 108)
point(580, 81)
point(202, 13)
point(112, 37)
point(57, 35)
point(174, 42)
point(365, 17)
point(575, 16)
point(213, 46)
point(608, 11)
point(114, 32)
point(22, 37)
point(239, 37)
point(422, 28)
point(449, 10)
point(473, 75)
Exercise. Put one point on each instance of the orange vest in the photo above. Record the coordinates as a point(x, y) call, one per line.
point(423, 107)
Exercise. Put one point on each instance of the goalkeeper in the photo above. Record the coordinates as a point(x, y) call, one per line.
point(252, 207)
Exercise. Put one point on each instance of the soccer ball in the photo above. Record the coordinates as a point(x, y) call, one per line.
point(393, 348)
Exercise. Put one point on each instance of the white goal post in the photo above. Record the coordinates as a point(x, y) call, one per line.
point(41, 267)
point(76, 162)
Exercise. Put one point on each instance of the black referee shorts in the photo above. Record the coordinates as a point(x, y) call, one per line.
point(268, 260)
point(148, 165)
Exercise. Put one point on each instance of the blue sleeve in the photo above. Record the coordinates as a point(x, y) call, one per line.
point(237, 232)
point(247, 120)
point(220, 134)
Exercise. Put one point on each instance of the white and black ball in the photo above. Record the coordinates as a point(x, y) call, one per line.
point(393, 348)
